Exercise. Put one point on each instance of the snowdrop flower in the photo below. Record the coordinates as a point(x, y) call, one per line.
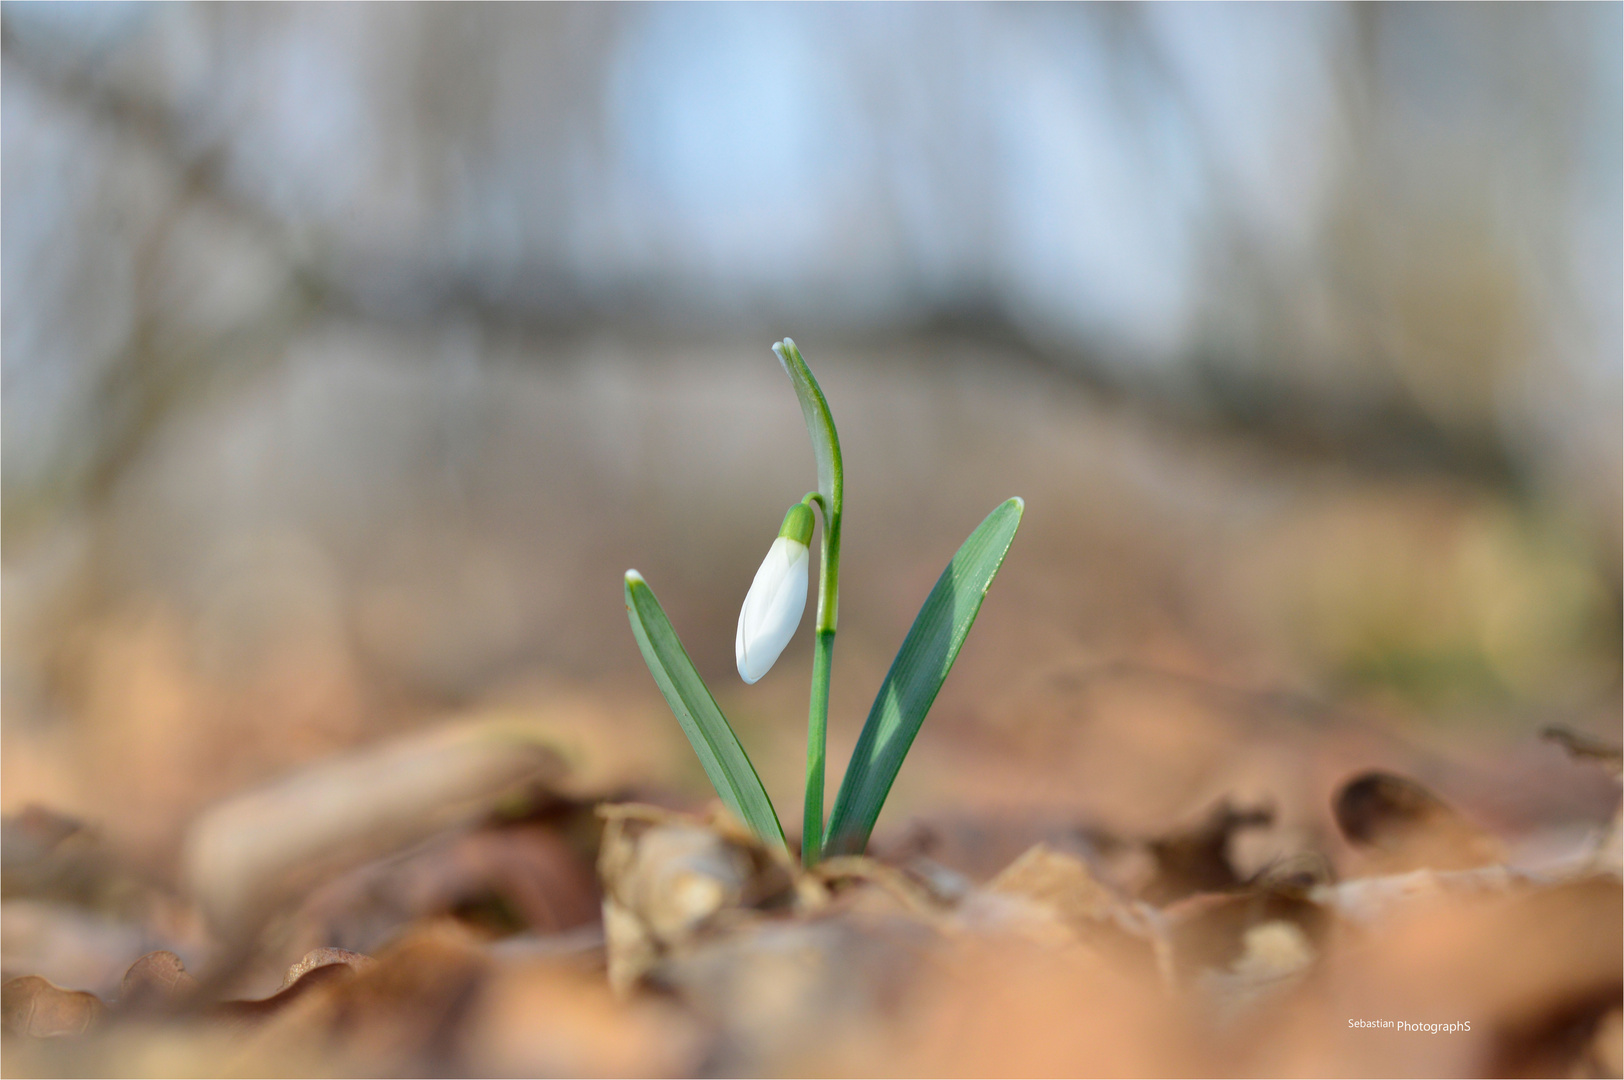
point(772, 609)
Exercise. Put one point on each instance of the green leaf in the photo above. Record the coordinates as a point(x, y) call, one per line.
point(724, 760)
point(916, 675)
point(820, 425)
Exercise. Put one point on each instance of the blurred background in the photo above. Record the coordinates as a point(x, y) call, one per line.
point(353, 352)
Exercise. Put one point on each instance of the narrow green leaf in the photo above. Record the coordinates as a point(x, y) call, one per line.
point(820, 425)
point(724, 760)
point(926, 656)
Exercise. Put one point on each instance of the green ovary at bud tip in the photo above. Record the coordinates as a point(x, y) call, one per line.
point(797, 524)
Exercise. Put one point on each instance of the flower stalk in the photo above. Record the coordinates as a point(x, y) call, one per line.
point(820, 426)
point(817, 718)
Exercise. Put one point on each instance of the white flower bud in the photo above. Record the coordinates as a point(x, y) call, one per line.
point(772, 609)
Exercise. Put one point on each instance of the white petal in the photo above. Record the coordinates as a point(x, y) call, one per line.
point(772, 609)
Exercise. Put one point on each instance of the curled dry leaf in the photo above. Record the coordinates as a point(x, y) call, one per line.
point(70, 945)
point(1064, 893)
point(1257, 935)
point(845, 875)
point(787, 996)
point(316, 969)
point(1063, 883)
point(251, 853)
point(1585, 748)
point(32, 846)
point(1400, 825)
point(37, 1007)
point(49, 856)
point(157, 981)
point(399, 1014)
point(1295, 874)
point(1273, 956)
point(964, 848)
point(1368, 899)
point(670, 878)
point(1608, 851)
point(326, 957)
point(502, 877)
point(1198, 860)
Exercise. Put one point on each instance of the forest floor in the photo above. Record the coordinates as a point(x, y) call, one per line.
point(1255, 763)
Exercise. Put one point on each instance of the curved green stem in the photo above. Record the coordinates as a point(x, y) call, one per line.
point(820, 427)
point(817, 727)
point(829, 573)
point(817, 720)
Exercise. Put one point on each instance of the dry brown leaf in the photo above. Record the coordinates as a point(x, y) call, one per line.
point(1522, 964)
point(31, 844)
point(1585, 748)
point(399, 1014)
point(975, 847)
point(35, 1006)
point(249, 854)
point(157, 981)
point(1061, 882)
point(1064, 893)
point(70, 945)
point(669, 878)
point(1298, 874)
point(1009, 1007)
point(888, 888)
point(325, 957)
point(1566, 1040)
point(1198, 860)
point(542, 1018)
point(317, 969)
point(1274, 956)
point(1399, 825)
point(1606, 1056)
point(786, 995)
point(1215, 932)
point(1608, 853)
point(49, 856)
point(500, 878)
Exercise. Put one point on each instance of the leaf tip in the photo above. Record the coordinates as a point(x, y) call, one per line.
point(634, 578)
point(1018, 503)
